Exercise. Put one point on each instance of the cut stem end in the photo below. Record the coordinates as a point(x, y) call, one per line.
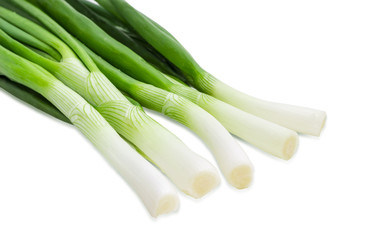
point(167, 204)
point(203, 183)
point(241, 177)
point(290, 146)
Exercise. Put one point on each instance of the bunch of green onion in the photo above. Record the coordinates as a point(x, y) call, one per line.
point(95, 66)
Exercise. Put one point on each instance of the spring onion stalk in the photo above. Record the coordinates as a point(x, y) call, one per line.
point(300, 119)
point(232, 160)
point(268, 136)
point(190, 172)
point(157, 194)
point(31, 97)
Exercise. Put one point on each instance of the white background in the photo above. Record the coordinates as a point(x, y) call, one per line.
point(54, 185)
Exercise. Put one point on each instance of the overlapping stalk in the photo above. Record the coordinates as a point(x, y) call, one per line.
point(268, 136)
point(232, 160)
point(157, 194)
point(119, 60)
point(300, 119)
point(191, 173)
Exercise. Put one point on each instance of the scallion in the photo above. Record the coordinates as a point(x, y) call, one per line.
point(190, 172)
point(300, 119)
point(157, 194)
point(268, 136)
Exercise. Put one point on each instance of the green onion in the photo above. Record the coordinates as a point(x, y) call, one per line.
point(190, 172)
point(233, 162)
point(157, 194)
point(300, 119)
point(270, 137)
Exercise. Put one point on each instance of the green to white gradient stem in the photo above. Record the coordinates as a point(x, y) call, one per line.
point(300, 119)
point(190, 172)
point(270, 137)
point(231, 159)
point(157, 194)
